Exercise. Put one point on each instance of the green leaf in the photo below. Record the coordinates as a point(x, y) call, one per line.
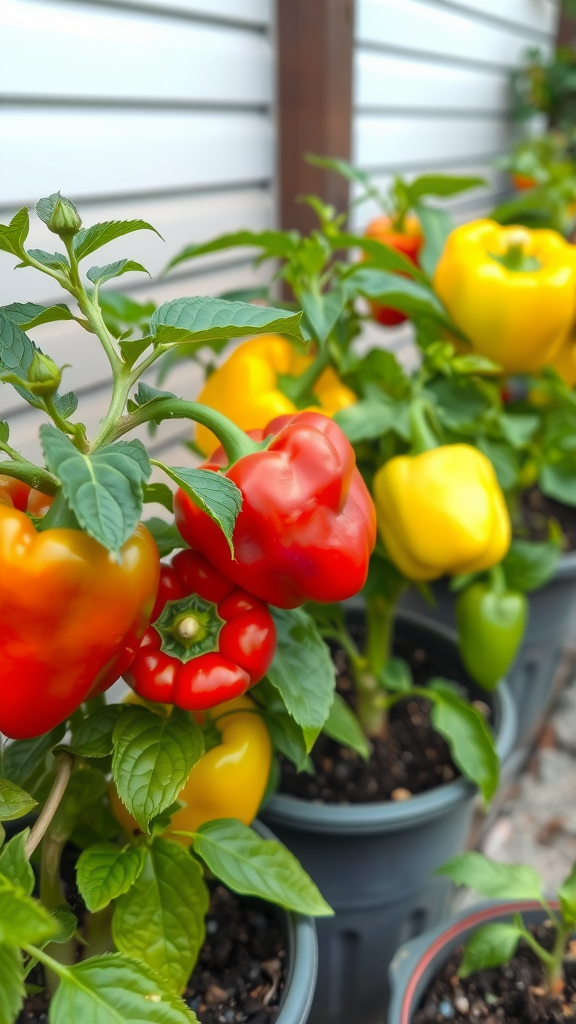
point(215, 494)
point(153, 757)
point(202, 319)
point(518, 430)
point(322, 310)
point(104, 489)
point(410, 297)
point(468, 735)
point(436, 225)
point(104, 872)
point(558, 481)
point(98, 275)
point(22, 919)
point(367, 419)
point(396, 676)
point(444, 185)
point(259, 867)
point(30, 314)
point(159, 494)
point(145, 395)
point(566, 896)
point(93, 737)
point(528, 565)
point(21, 758)
point(382, 256)
point(492, 878)
point(14, 864)
point(112, 989)
point(53, 260)
point(490, 946)
point(66, 924)
point(503, 459)
point(16, 348)
point(89, 239)
point(165, 535)
point(475, 364)
point(276, 244)
point(343, 726)
point(12, 989)
point(45, 207)
point(160, 920)
point(14, 802)
point(14, 234)
point(302, 671)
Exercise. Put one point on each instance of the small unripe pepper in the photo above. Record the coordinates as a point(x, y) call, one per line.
point(491, 620)
point(441, 512)
point(511, 291)
point(208, 643)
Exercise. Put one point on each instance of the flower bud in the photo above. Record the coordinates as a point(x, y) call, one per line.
point(59, 214)
point(43, 376)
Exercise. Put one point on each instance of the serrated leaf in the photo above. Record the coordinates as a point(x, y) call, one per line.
point(343, 727)
point(253, 866)
point(12, 988)
point(469, 737)
point(103, 489)
point(302, 671)
point(490, 946)
point(22, 919)
point(160, 920)
point(201, 319)
point(14, 802)
point(14, 234)
point(153, 757)
point(31, 314)
point(98, 275)
point(89, 239)
point(215, 494)
point(492, 878)
point(104, 872)
point(53, 260)
point(146, 395)
point(112, 989)
point(66, 404)
point(165, 535)
point(14, 864)
point(21, 758)
point(93, 738)
point(16, 348)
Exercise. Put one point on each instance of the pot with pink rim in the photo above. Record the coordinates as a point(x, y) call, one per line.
point(417, 962)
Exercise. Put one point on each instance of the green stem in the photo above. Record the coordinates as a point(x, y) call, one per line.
point(59, 516)
point(32, 475)
point(371, 699)
point(98, 933)
point(76, 430)
point(297, 388)
point(235, 442)
point(554, 968)
point(497, 580)
point(423, 437)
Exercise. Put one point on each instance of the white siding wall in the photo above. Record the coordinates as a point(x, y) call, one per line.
point(431, 89)
point(159, 109)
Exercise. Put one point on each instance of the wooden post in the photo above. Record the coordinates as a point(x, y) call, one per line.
point(315, 42)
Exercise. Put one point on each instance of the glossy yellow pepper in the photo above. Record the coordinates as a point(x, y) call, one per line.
point(511, 291)
point(441, 512)
point(228, 781)
point(564, 361)
point(245, 387)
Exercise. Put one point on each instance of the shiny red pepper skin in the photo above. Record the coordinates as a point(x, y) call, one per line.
point(242, 653)
point(306, 528)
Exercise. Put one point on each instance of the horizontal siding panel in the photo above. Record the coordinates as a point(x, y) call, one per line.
point(92, 153)
point(410, 83)
point(249, 12)
point(180, 220)
point(422, 27)
point(537, 15)
point(145, 57)
point(396, 142)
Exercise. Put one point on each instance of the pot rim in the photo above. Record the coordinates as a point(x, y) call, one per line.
point(388, 816)
point(451, 930)
point(302, 958)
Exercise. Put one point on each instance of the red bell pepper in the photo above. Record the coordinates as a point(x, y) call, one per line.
point(407, 240)
point(209, 642)
point(307, 525)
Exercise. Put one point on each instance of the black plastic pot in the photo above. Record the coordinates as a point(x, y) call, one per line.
point(373, 862)
point(531, 677)
point(418, 961)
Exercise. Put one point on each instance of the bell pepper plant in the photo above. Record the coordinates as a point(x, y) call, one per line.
point(153, 793)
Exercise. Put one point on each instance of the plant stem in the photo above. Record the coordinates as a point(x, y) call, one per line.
point(98, 933)
point(371, 698)
point(63, 772)
point(59, 516)
point(554, 969)
point(296, 388)
point(423, 438)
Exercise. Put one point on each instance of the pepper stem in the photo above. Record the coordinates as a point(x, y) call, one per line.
point(371, 695)
point(497, 580)
point(422, 435)
point(297, 388)
point(59, 516)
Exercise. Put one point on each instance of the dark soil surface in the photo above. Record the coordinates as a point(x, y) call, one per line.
point(241, 970)
point(411, 759)
point(512, 994)
point(537, 510)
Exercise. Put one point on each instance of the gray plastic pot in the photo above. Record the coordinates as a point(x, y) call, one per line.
point(531, 677)
point(302, 945)
point(373, 862)
point(418, 961)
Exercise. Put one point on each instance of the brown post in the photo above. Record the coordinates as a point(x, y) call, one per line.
point(566, 34)
point(315, 42)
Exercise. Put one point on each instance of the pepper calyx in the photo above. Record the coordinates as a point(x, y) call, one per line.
point(188, 627)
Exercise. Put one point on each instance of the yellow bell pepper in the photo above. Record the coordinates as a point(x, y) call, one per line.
point(228, 781)
point(564, 361)
point(511, 291)
point(245, 387)
point(441, 512)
